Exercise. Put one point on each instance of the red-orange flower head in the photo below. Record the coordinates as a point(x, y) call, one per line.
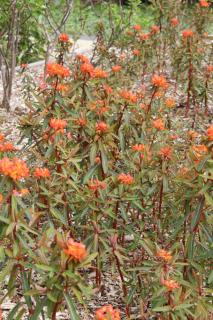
point(42, 173)
point(107, 313)
point(158, 124)
point(75, 250)
point(63, 37)
point(187, 33)
point(96, 184)
point(209, 69)
point(101, 127)
point(82, 58)
point(87, 68)
point(7, 147)
point(159, 81)
point(58, 124)
point(125, 179)
point(99, 73)
point(81, 122)
point(210, 133)
point(55, 69)
point(204, 4)
point(170, 284)
point(155, 29)
point(165, 152)
point(116, 68)
point(144, 36)
point(174, 22)
point(137, 27)
point(170, 103)
point(165, 255)
point(14, 168)
point(128, 95)
point(136, 52)
point(138, 147)
point(1, 137)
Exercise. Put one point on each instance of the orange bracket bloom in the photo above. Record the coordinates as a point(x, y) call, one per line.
point(42, 173)
point(166, 152)
point(158, 124)
point(116, 68)
point(75, 250)
point(95, 185)
point(159, 81)
point(55, 69)
point(63, 37)
point(136, 27)
point(107, 313)
point(101, 127)
point(58, 124)
point(210, 133)
point(125, 179)
point(204, 4)
point(165, 255)
point(187, 33)
point(174, 22)
point(138, 147)
point(14, 168)
point(170, 284)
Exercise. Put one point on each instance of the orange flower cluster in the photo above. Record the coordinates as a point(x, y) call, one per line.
point(81, 122)
point(63, 37)
point(99, 73)
point(1, 200)
point(87, 68)
point(41, 173)
point(125, 179)
point(101, 127)
point(95, 185)
point(60, 87)
point(187, 33)
point(204, 4)
point(137, 27)
point(170, 103)
point(158, 124)
point(155, 29)
point(116, 68)
point(174, 22)
point(136, 52)
point(106, 313)
point(82, 58)
point(165, 255)
point(128, 95)
point(200, 149)
point(170, 284)
point(138, 147)
point(209, 69)
point(166, 152)
point(144, 36)
point(159, 81)
point(7, 147)
point(210, 133)
point(55, 69)
point(75, 250)
point(58, 124)
point(193, 134)
point(14, 168)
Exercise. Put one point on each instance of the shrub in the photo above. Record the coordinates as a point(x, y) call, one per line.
point(116, 178)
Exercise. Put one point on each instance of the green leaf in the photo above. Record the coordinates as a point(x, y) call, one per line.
point(45, 267)
point(197, 213)
point(162, 309)
point(72, 308)
point(89, 174)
